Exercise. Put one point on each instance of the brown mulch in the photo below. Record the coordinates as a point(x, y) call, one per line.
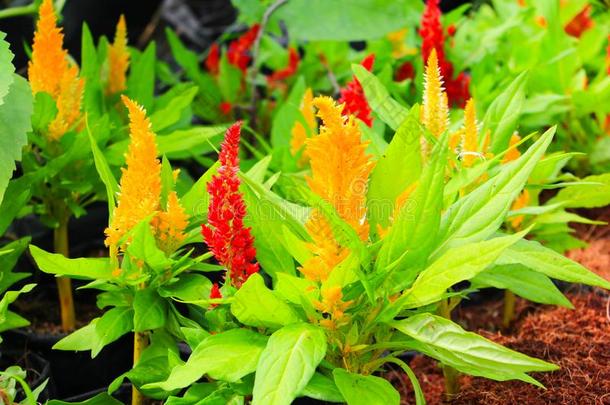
point(596, 256)
point(576, 340)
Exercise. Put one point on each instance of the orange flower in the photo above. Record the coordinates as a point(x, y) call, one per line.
point(68, 103)
point(340, 170)
point(435, 108)
point(513, 153)
point(170, 224)
point(141, 181)
point(301, 132)
point(471, 135)
point(118, 60)
point(332, 304)
point(521, 202)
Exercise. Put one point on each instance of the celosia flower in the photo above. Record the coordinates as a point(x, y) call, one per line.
point(212, 61)
point(352, 96)
point(238, 53)
point(278, 76)
point(229, 240)
point(451, 30)
point(580, 23)
point(404, 71)
point(513, 153)
point(471, 135)
point(170, 224)
point(521, 202)
point(215, 294)
point(301, 132)
point(431, 31)
point(140, 187)
point(399, 47)
point(50, 72)
point(118, 60)
point(435, 110)
point(340, 169)
point(332, 304)
point(225, 107)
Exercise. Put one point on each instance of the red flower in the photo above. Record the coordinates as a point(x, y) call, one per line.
point(213, 58)
point(228, 239)
point(451, 30)
point(214, 294)
point(405, 71)
point(580, 23)
point(352, 95)
point(238, 53)
point(289, 70)
point(225, 107)
point(431, 31)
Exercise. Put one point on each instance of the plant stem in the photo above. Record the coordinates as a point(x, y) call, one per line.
point(509, 309)
point(452, 384)
point(140, 342)
point(18, 11)
point(64, 285)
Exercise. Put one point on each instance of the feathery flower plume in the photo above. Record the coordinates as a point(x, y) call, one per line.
point(580, 23)
point(404, 71)
point(68, 103)
point(238, 53)
point(170, 225)
point(140, 181)
point(513, 153)
point(352, 96)
point(118, 60)
point(214, 294)
point(470, 145)
point(276, 78)
point(340, 169)
point(521, 202)
point(229, 240)
point(435, 111)
point(212, 61)
point(301, 132)
point(332, 304)
point(433, 38)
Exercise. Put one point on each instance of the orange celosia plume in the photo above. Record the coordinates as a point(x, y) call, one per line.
point(170, 224)
point(340, 169)
point(50, 72)
point(471, 135)
point(513, 153)
point(118, 60)
point(435, 108)
point(140, 182)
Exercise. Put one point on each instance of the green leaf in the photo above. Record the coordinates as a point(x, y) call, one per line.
point(389, 110)
point(226, 356)
point(197, 199)
point(256, 305)
point(7, 69)
point(7, 319)
point(457, 264)
point(480, 214)
point(18, 194)
point(45, 110)
point(173, 110)
point(141, 80)
point(524, 282)
point(468, 352)
point(99, 399)
point(546, 261)
point(9, 254)
point(102, 168)
point(398, 167)
point(322, 388)
point(93, 98)
point(150, 310)
point(143, 246)
point(502, 116)
point(288, 363)
point(229, 80)
point(343, 20)
point(82, 268)
point(293, 289)
point(596, 194)
point(15, 115)
point(189, 287)
point(360, 389)
point(287, 115)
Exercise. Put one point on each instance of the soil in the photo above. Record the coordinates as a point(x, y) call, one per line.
point(576, 340)
point(596, 256)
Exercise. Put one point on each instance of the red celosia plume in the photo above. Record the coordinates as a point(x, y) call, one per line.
point(431, 31)
point(293, 64)
point(404, 71)
point(352, 96)
point(228, 239)
point(238, 53)
point(215, 293)
point(212, 61)
point(580, 23)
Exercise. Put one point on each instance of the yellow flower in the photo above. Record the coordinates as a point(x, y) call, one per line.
point(399, 48)
point(300, 132)
point(118, 60)
point(170, 224)
point(332, 304)
point(513, 153)
point(435, 108)
point(471, 135)
point(521, 202)
point(49, 59)
point(68, 103)
point(140, 182)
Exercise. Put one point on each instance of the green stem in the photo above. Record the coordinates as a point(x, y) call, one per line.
point(64, 285)
point(509, 309)
point(452, 384)
point(30, 9)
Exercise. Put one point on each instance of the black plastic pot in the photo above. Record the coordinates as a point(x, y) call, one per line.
point(123, 394)
point(76, 373)
point(37, 368)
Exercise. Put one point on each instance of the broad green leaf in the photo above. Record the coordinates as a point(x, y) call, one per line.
point(468, 352)
point(7, 69)
point(143, 246)
point(9, 319)
point(592, 195)
point(15, 115)
point(322, 388)
point(150, 310)
point(288, 363)
point(226, 356)
point(81, 268)
point(256, 305)
point(398, 167)
point(389, 110)
point(187, 59)
point(294, 289)
point(546, 261)
point(455, 265)
point(18, 194)
point(478, 215)
point(197, 199)
point(173, 110)
point(502, 116)
point(189, 287)
point(9, 254)
point(45, 110)
point(360, 389)
point(141, 80)
point(524, 282)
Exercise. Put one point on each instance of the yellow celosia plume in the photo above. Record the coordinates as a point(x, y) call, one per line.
point(471, 135)
point(118, 60)
point(332, 304)
point(340, 169)
point(140, 188)
point(170, 224)
point(435, 108)
point(301, 132)
point(49, 71)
